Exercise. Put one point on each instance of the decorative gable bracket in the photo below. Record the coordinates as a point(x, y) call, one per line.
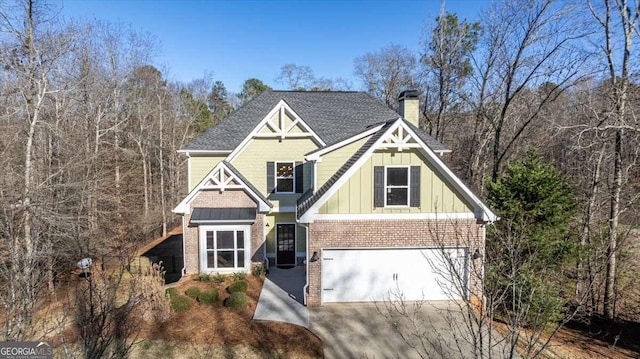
point(400, 140)
point(282, 122)
point(221, 180)
point(223, 177)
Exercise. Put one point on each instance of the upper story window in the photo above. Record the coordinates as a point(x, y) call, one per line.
point(285, 177)
point(396, 186)
point(285, 174)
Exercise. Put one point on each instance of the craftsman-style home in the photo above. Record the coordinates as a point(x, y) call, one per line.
point(341, 184)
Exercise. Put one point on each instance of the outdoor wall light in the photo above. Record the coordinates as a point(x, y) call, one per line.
point(314, 257)
point(476, 254)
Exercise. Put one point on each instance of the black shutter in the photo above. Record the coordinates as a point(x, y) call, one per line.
point(299, 173)
point(414, 201)
point(271, 177)
point(378, 186)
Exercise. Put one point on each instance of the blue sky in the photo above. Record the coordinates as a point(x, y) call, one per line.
point(237, 40)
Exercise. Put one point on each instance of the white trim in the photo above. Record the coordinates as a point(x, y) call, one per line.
point(188, 170)
point(223, 183)
point(317, 154)
point(292, 135)
point(481, 210)
point(202, 240)
point(314, 175)
point(281, 106)
point(386, 186)
point(285, 209)
point(399, 140)
point(295, 242)
point(264, 237)
point(392, 216)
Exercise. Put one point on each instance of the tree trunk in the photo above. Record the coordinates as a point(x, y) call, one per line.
point(162, 189)
point(582, 286)
point(614, 214)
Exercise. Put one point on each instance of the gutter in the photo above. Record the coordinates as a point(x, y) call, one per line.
point(306, 263)
point(183, 271)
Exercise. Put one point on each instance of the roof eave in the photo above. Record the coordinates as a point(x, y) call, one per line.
point(204, 152)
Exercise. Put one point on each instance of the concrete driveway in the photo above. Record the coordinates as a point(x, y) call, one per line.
point(281, 297)
point(361, 331)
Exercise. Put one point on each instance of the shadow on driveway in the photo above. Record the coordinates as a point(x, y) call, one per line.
point(358, 330)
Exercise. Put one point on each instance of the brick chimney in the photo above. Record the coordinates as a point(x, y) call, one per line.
point(410, 106)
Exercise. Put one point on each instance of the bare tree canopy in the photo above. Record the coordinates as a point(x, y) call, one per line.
point(387, 72)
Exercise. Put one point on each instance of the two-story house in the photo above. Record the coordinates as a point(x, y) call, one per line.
point(341, 184)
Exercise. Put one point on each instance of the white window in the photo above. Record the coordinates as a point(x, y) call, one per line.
point(285, 177)
point(396, 186)
point(224, 247)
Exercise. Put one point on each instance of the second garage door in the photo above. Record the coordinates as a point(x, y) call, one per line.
point(364, 275)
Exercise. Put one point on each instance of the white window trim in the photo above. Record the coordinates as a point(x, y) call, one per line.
point(203, 247)
point(408, 186)
point(293, 179)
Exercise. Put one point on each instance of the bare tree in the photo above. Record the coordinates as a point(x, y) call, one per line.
point(29, 57)
point(110, 307)
point(617, 119)
point(525, 44)
point(296, 77)
point(387, 72)
point(69, 187)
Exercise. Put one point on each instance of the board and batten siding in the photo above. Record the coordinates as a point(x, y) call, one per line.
point(252, 163)
point(356, 195)
point(333, 160)
point(200, 166)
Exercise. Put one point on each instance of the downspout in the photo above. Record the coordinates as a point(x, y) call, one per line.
point(188, 172)
point(315, 178)
point(183, 272)
point(306, 263)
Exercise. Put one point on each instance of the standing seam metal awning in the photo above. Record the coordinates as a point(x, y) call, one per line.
point(223, 215)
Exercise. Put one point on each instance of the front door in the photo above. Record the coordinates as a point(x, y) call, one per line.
point(286, 244)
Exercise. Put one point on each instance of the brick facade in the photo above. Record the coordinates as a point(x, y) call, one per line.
point(217, 199)
point(394, 233)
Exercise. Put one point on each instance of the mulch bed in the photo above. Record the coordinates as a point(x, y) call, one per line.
point(217, 324)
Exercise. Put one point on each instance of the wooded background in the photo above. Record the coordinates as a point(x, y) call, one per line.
point(90, 128)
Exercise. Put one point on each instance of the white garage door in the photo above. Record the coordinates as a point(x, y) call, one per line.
point(364, 275)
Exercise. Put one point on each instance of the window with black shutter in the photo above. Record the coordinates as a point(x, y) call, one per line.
point(396, 186)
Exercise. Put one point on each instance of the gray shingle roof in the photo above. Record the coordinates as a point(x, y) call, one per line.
point(332, 115)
